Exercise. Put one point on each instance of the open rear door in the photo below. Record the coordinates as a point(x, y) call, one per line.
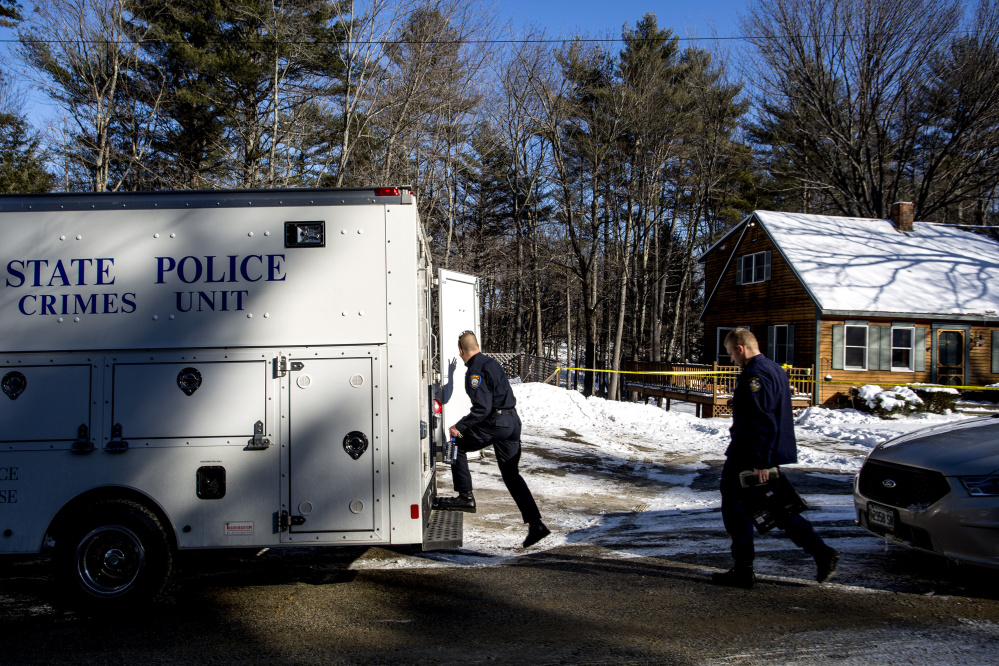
point(459, 312)
point(458, 309)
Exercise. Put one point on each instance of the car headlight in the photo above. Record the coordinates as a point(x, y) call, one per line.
point(981, 486)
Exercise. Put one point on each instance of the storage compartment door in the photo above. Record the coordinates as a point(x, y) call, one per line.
point(204, 399)
point(335, 453)
point(45, 403)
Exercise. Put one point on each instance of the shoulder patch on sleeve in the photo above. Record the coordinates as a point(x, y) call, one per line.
point(474, 381)
point(754, 384)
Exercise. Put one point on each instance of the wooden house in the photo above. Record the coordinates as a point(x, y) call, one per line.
point(864, 301)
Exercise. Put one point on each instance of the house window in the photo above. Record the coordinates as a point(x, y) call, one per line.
point(901, 349)
point(855, 348)
point(722, 353)
point(783, 345)
point(753, 268)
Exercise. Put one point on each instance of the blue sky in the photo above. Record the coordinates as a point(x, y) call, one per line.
point(599, 18)
point(694, 18)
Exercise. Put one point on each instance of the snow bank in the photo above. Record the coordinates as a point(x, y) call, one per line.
point(836, 439)
point(550, 409)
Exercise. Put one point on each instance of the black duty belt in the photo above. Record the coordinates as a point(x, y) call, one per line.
point(497, 412)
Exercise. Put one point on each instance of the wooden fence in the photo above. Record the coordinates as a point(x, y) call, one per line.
point(530, 368)
point(707, 386)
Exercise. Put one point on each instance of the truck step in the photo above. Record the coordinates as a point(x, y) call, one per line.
point(444, 531)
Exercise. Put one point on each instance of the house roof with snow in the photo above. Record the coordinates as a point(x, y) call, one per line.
point(859, 265)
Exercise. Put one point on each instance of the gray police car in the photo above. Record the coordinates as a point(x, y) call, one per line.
point(937, 490)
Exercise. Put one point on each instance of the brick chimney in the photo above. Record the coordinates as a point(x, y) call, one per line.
point(901, 215)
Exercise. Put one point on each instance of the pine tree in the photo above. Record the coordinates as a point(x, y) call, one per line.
point(21, 167)
point(237, 75)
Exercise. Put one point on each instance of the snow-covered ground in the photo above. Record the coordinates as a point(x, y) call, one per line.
point(636, 480)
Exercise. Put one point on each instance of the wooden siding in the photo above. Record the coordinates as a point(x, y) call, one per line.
point(981, 355)
point(837, 388)
point(781, 300)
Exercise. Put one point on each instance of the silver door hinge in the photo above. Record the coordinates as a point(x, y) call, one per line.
point(282, 367)
point(286, 520)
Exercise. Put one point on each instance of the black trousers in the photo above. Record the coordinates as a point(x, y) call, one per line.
point(503, 432)
point(739, 523)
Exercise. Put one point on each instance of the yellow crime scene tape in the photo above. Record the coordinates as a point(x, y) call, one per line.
point(676, 373)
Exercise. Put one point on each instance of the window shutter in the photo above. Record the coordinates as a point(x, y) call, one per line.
point(738, 270)
point(995, 352)
point(790, 344)
point(874, 347)
point(839, 335)
point(771, 340)
point(886, 348)
point(766, 265)
point(919, 350)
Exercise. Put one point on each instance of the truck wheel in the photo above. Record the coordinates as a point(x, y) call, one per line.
point(116, 553)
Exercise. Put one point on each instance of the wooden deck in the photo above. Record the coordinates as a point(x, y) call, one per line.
point(707, 386)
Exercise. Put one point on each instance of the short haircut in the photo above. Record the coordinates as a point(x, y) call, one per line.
point(744, 337)
point(467, 342)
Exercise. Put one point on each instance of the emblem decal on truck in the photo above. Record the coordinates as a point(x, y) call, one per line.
point(239, 528)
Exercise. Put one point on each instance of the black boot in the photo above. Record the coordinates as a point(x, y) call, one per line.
point(744, 578)
point(825, 564)
point(536, 531)
point(463, 502)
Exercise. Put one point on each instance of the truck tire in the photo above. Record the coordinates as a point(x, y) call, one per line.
point(114, 554)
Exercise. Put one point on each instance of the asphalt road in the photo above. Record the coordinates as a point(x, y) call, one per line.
point(567, 605)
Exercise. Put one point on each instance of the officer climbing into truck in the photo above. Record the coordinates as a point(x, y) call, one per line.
point(492, 420)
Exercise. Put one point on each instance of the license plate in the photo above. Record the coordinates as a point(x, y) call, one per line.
point(881, 516)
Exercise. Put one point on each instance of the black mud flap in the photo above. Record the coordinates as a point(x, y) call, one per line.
point(444, 531)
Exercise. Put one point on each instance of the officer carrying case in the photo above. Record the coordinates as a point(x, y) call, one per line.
point(771, 503)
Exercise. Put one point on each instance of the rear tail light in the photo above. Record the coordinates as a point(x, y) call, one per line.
point(437, 407)
point(388, 192)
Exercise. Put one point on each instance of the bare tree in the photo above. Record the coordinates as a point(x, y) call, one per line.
point(82, 53)
point(580, 139)
point(956, 157)
point(431, 103)
point(354, 99)
point(516, 108)
point(837, 81)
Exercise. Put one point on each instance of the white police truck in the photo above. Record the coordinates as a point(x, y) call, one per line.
point(216, 369)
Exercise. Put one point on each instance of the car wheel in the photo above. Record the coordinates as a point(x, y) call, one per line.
point(116, 553)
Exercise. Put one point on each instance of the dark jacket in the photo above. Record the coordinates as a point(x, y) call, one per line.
point(762, 422)
point(488, 389)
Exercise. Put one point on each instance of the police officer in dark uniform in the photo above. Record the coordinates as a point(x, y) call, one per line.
point(492, 420)
point(762, 436)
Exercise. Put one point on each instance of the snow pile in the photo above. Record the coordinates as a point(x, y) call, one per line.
point(557, 412)
point(616, 427)
point(844, 425)
point(897, 399)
